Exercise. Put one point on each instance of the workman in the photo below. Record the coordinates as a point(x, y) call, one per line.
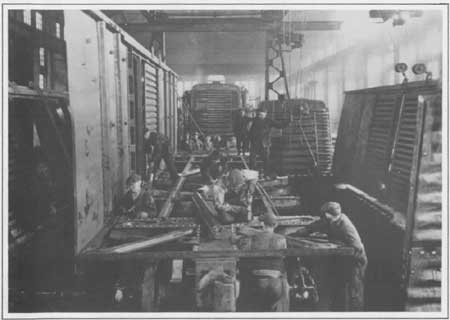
point(241, 130)
point(260, 138)
point(339, 228)
point(208, 146)
point(196, 143)
point(161, 149)
point(147, 154)
point(233, 197)
point(213, 167)
point(137, 201)
point(264, 281)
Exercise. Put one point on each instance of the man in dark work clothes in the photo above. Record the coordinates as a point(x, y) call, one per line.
point(137, 202)
point(339, 228)
point(213, 166)
point(264, 283)
point(240, 129)
point(260, 138)
point(161, 149)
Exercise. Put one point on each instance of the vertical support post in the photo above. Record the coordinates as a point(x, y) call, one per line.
point(148, 303)
point(267, 80)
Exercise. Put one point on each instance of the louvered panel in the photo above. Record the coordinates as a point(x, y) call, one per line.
point(404, 152)
point(213, 106)
point(151, 97)
point(380, 134)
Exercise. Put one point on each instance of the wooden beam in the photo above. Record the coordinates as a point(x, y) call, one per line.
point(166, 210)
point(128, 247)
point(229, 25)
point(98, 255)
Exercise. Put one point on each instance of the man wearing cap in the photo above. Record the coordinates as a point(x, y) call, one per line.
point(260, 138)
point(233, 197)
point(161, 149)
point(339, 228)
point(213, 166)
point(241, 130)
point(264, 282)
point(137, 202)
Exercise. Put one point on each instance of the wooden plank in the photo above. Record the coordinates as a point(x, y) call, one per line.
point(97, 255)
point(166, 210)
point(128, 247)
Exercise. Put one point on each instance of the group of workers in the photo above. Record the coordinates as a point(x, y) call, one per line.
point(264, 284)
point(254, 134)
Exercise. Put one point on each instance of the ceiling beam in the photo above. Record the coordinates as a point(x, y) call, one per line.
point(229, 25)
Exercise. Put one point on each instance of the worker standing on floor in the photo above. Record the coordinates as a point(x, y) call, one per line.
point(260, 139)
point(264, 282)
point(339, 228)
point(240, 121)
point(161, 150)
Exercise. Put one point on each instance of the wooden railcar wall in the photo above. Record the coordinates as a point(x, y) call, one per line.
point(115, 89)
point(379, 140)
point(305, 140)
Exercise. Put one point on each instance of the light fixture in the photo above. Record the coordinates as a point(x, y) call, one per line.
point(420, 68)
point(401, 68)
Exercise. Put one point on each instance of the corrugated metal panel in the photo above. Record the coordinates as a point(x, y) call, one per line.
point(306, 140)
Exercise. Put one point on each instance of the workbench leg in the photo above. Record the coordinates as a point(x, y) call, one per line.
point(148, 289)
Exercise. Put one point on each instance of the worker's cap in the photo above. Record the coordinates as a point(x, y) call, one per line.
point(133, 178)
point(269, 219)
point(333, 208)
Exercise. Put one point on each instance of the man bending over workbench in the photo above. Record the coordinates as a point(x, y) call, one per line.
point(264, 282)
point(233, 197)
point(138, 202)
point(339, 228)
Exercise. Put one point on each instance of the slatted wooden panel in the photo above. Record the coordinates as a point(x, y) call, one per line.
point(213, 106)
point(131, 112)
point(404, 151)
point(424, 286)
point(290, 152)
point(380, 137)
point(151, 97)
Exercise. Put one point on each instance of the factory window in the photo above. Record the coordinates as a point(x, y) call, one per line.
point(42, 57)
point(38, 21)
point(58, 30)
point(41, 81)
point(216, 78)
point(27, 17)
